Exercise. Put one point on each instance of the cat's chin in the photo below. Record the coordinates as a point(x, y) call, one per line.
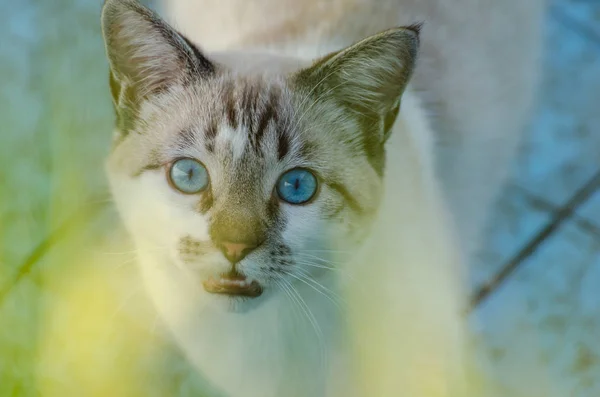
point(233, 292)
point(233, 284)
point(235, 304)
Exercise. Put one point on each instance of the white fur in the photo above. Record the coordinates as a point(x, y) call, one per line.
point(275, 349)
point(410, 325)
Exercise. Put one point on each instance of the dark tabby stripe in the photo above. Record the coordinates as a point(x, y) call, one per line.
point(230, 105)
point(206, 201)
point(149, 167)
point(333, 210)
point(186, 138)
point(308, 149)
point(210, 135)
point(248, 105)
point(283, 144)
point(269, 112)
point(350, 200)
point(263, 123)
point(154, 163)
point(273, 209)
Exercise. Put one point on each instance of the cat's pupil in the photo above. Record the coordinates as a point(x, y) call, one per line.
point(190, 173)
point(297, 183)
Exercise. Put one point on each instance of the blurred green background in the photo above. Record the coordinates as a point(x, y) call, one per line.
point(56, 119)
point(542, 254)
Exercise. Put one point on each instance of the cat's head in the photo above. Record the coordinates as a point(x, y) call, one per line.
point(241, 181)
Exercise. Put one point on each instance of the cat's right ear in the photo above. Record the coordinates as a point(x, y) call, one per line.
point(146, 55)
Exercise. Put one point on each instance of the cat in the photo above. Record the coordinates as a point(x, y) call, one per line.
point(290, 225)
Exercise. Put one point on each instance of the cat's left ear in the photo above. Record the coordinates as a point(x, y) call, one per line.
point(367, 78)
point(146, 55)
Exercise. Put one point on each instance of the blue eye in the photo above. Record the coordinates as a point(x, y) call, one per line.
point(297, 186)
point(188, 176)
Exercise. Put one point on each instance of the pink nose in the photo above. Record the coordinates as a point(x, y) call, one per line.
point(235, 252)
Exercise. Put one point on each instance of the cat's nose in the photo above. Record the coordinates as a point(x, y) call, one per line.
point(235, 252)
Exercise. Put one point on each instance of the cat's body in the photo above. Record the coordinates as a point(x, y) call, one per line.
point(356, 289)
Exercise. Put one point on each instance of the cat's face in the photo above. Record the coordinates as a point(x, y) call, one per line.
point(247, 183)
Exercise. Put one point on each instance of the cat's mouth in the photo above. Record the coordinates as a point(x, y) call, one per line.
point(233, 284)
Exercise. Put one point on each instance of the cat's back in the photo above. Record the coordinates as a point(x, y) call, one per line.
point(231, 24)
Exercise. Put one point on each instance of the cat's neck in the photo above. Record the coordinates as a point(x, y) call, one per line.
point(410, 270)
point(286, 345)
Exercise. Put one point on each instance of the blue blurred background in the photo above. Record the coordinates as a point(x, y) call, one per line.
point(537, 275)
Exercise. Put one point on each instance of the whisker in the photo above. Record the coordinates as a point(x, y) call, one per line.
point(119, 308)
point(134, 251)
point(311, 318)
point(333, 298)
point(308, 97)
point(126, 262)
point(112, 253)
point(317, 101)
point(319, 332)
point(286, 286)
point(283, 288)
point(322, 260)
point(327, 250)
point(318, 266)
